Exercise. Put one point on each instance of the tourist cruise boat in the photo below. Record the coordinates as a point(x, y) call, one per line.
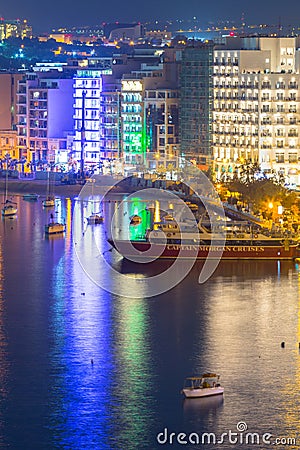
point(205, 386)
point(238, 242)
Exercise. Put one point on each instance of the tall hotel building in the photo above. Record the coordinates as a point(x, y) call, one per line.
point(88, 87)
point(256, 114)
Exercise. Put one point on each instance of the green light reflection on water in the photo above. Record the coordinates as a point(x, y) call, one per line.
point(134, 372)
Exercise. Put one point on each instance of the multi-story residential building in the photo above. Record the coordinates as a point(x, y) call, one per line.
point(45, 112)
point(196, 103)
point(87, 93)
point(257, 106)
point(110, 120)
point(132, 113)
point(161, 126)
point(8, 144)
point(8, 95)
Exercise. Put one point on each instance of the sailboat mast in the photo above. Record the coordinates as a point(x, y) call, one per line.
point(6, 184)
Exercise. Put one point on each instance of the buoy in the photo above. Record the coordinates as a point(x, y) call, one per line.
point(282, 344)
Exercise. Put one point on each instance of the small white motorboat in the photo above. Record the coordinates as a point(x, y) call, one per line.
point(204, 386)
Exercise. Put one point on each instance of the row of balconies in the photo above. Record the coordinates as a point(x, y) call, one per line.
point(292, 121)
point(284, 147)
point(268, 134)
point(235, 86)
point(234, 109)
point(255, 98)
point(235, 97)
point(239, 85)
point(233, 133)
point(234, 62)
point(278, 110)
point(280, 99)
point(39, 98)
point(254, 133)
point(35, 134)
point(247, 145)
point(242, 121)
point(38, 108)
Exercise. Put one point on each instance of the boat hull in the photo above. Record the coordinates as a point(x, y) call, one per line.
point(202, 392)
point(9, 212)
point(30, 197)
point(137, 249)
point(55, 228)
point(48, 203)
point(95, 220)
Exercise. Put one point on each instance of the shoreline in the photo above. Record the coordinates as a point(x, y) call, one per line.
point(38, 187)
point(20, 187)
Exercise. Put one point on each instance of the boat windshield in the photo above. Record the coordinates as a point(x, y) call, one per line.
point(205, 381)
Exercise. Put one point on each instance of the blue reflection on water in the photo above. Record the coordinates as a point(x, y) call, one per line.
point(53, 397)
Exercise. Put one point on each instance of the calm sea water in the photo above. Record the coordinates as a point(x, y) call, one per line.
point(54, 320)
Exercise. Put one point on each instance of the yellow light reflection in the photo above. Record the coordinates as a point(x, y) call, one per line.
point(157, 212)
point(68, 223)
point(3, 351)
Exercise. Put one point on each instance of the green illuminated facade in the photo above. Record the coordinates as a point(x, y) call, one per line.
point(132, 112)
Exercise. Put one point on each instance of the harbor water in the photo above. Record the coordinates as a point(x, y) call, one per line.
point(83, 368)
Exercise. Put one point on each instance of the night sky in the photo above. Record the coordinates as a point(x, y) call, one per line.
point(54, 13)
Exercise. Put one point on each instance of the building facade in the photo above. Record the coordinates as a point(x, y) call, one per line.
point(257, 107)
point(196, 103)
point(45, 117)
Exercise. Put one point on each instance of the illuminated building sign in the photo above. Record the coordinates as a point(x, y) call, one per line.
point(92, 73)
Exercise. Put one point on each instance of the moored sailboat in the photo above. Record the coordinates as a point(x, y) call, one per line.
point(54, 227)
point(9, 209)
point(50, 198)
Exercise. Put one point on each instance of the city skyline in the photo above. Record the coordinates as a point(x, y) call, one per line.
point(66, 13)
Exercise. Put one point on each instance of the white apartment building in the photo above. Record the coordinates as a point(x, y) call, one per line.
point(257, 106)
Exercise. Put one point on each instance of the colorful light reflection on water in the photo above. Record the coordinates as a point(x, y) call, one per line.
point(54, 321)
